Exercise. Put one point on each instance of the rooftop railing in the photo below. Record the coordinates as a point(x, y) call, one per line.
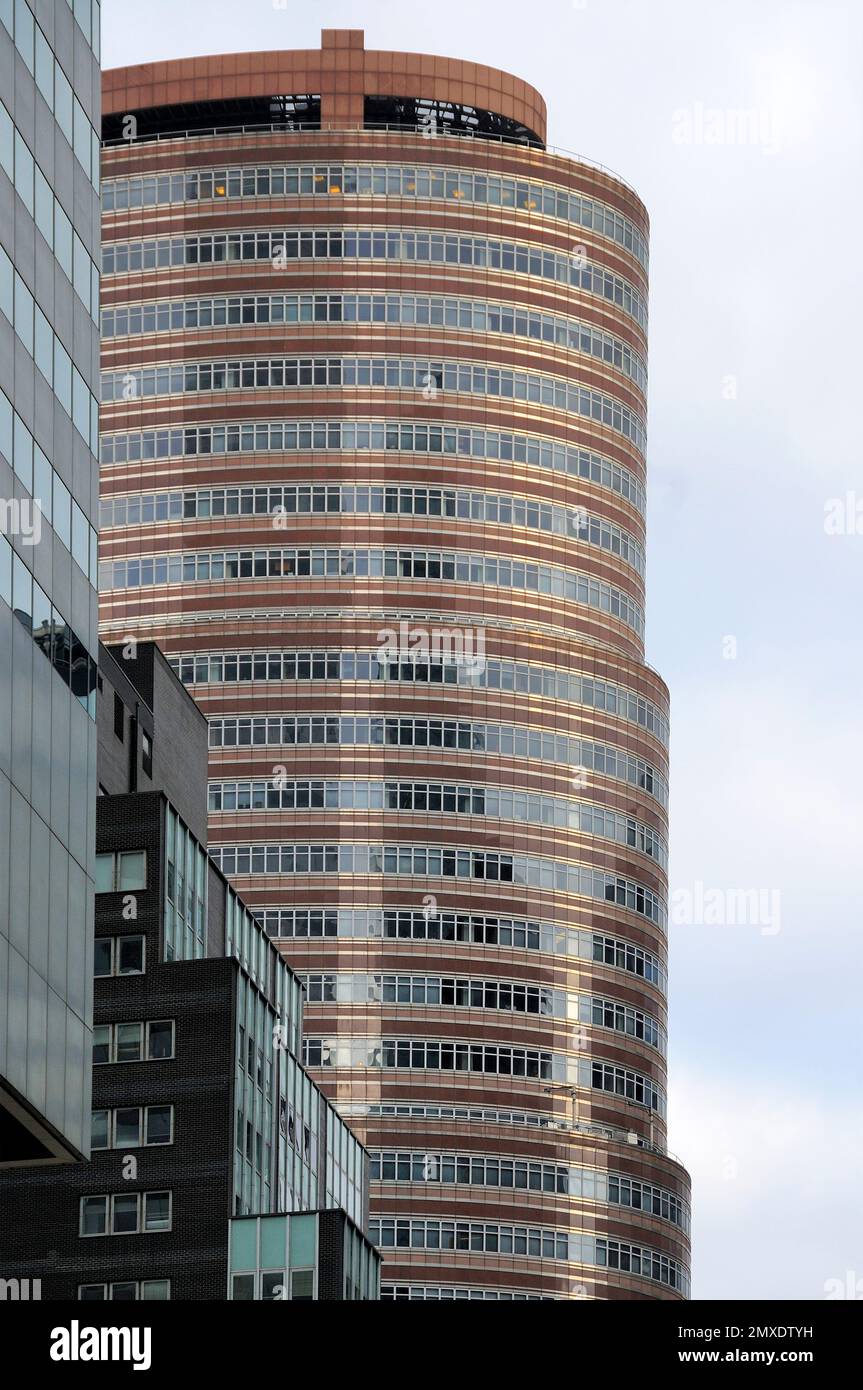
point(281, 128)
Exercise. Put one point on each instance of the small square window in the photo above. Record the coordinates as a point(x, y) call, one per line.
point(274, 1285)
point(92, 1293)
point(243, 1288)
point(303, 1285)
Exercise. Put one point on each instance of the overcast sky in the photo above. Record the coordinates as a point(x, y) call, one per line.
point(740, 126)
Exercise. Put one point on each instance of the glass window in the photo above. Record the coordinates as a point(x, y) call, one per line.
point(273, 1284)
point(80, 540)
point(22, 449)
point(44, 204)
point(63, 240)
point(157, 1211)
point(24, 167)
point(92, 1293)
point(62, 376)
point(43, 345)
point(63, 102)
point(42, 481)
point(99, 1129)
point(5, 571)
point(126, 1292)
point(22, 593)
point(104, 873)
point(80, 409)
point(102, 1042)
point(102, 956)
point(24, 170)
point(44, 67)
point(153, 1289)
point(62, 522)
point(24, 32)
point(127, 1127)
point(41, 615)
point(160, 1039)
point(82, 143)
point(7, 283)
point(81, 10)
point(130, 955)
point(132, 871)
point(94, 1216)
point(81, 269)
point(128, 1046)
point(124, 1216)
point(23, 313)
point(302, 1285)
point(7, 143)
point(159, 1123)
point(243, 1288)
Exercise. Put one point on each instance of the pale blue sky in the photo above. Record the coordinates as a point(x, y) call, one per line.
point(755, 307)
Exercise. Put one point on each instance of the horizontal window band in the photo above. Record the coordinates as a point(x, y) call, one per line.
point(377, 310)
point(378, 731)
point(346, 987)
point(282, 793)
point(512, 1173)
point(282, 247)
point(441, 861)
point(340, 563)
point(275, 503)
point(476, 929)
point(376, 180)
point(373, 436)
point(393, 1233)
point(492, 1059)
point(444, 667)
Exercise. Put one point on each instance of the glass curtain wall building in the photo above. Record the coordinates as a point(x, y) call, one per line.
point(49, 364)
point(373, 475)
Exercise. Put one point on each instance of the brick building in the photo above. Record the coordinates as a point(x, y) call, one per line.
point(201, 1109)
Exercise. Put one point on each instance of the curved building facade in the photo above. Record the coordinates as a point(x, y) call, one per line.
point(373, 475)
